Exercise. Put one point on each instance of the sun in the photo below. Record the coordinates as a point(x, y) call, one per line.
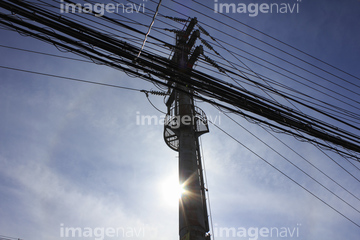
point(171, 190)
point(181, 190)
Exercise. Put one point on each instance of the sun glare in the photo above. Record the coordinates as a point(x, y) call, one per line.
point(171, 191)
point(181, 190)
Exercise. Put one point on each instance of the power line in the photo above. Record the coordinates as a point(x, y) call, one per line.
point(46, 54)
point(319, 85)
point(2, 237)
point(297, 167)
point(284, 174)
point(260, 77)
point(158, 60)
point(147, 96)
point(72, 79)
point(282, 42)
point(293, 73)
point(158, 66)
point(262, 41)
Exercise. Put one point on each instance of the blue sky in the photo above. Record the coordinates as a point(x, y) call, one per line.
point(71, 153)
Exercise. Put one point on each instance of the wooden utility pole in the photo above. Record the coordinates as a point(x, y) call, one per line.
point(184, 123)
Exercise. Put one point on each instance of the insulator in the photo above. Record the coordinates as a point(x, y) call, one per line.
point(176, 19)
point(203, 30)
point(207, 44)
point(158, 93)
point(172, 30)
point(180, 19)
point(214, 64)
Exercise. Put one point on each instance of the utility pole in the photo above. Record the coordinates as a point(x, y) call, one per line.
point(184, 123)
